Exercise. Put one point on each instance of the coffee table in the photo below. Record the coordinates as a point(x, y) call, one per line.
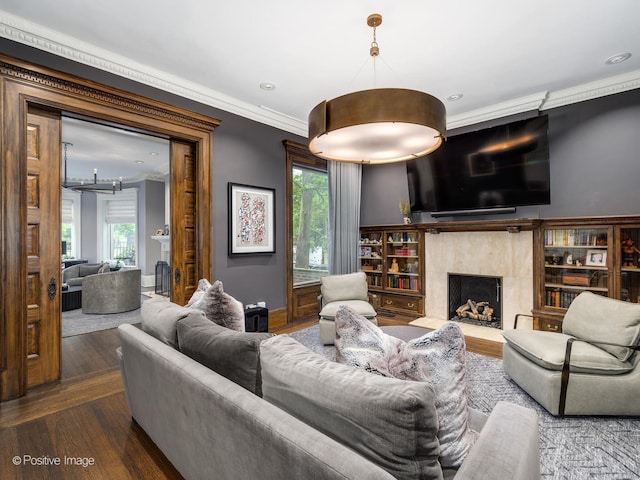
point(71, 298)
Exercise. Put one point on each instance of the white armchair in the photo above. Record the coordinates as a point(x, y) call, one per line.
point(336, 290)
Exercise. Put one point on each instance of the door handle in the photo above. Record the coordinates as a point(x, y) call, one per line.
point(52, 288)
point(177, 276)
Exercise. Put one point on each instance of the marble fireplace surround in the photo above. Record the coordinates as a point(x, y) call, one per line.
point(506, 253)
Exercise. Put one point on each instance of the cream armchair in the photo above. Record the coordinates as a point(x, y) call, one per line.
point(592, 368)
point(350, 289)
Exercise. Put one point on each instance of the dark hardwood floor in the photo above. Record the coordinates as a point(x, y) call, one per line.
point(84, 418)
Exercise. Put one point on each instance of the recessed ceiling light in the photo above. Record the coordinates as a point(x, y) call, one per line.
point(139, 162)
point(267, 86)
point(455, 96)
point(621, 57)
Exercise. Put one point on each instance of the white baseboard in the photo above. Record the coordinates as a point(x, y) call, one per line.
point(148, 280)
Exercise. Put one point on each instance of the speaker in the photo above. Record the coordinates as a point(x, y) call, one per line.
point(256, 319)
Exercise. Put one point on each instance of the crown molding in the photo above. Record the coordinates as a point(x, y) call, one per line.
point(499, 110)
point(596, 89)
point(65, 46)
point(21, 31)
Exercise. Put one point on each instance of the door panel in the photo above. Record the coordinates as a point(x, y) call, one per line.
point(21, 84)
point(184, 233)
point(43, 247)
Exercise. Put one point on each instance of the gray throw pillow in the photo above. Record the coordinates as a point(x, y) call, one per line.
point(85, 269)
point(234, 355)
point(391, 422)
point(438, 358)
point(220, 307)
point(594, 317)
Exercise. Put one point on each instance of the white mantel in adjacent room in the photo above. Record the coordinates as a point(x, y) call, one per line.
point(491, 253)
point(165, 246)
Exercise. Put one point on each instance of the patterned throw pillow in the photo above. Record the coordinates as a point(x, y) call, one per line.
point(203, 285)
point(220, 307)
point(363, 344)
point(438, 357)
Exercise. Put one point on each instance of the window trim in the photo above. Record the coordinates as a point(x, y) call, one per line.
point(76, 219)
point(102, 201)
point(296, 154)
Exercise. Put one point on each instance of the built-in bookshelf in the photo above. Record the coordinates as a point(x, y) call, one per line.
point(578, 255)
point(392, 259)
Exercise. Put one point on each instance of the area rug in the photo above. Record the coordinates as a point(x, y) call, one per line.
point(571, 448)
point(74, 322)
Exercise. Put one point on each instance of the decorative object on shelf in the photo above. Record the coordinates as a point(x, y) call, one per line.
point(629, 251)
point(405, 210)
point(394, 268)
point(596, 258)
point(251, 219)
point(89, 187)
point(377, 126)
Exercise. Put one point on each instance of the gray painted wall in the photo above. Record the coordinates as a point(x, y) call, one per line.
point(89, 227)
point(594, 156)
point(150, 219)
point(594, 149)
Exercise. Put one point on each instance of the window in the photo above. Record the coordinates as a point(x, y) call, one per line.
point(71, 223)
point(117, 227)
point(310, 225)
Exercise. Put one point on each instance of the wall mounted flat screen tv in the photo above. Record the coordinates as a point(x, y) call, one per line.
point(494, 168)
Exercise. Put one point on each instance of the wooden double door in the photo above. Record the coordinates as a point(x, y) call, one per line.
point(30, 290)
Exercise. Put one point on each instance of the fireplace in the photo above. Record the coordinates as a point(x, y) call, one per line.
point(475, 299)
point(502, 254)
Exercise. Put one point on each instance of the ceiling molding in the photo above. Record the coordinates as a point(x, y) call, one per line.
point(500, 110)
point(19, 30)
point(591, 90)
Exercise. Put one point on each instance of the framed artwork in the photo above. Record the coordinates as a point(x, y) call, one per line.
point(596, 258)
point(251, 219)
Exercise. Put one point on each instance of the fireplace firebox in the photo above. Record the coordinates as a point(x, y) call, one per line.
point(475, 299)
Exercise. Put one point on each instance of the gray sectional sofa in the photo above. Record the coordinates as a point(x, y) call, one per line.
point(209, 418)
point(74, 275)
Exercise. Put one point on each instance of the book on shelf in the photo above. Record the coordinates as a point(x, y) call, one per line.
point(568, 237)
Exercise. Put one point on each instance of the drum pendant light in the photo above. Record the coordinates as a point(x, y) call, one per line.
point(381, 125)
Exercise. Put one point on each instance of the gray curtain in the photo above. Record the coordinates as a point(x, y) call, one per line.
point(344, 216)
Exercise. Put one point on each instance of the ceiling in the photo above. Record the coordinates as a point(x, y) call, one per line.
point(504, 57)
point(114, 152)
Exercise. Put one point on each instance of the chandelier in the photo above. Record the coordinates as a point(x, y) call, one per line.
point(88, 187)
point(381, 125)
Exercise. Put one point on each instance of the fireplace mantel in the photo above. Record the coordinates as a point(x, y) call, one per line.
point(486, 248)
point(511, 226)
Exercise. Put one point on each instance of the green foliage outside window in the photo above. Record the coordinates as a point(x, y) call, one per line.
point(310, 218)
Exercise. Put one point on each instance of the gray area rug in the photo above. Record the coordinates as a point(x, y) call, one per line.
point(74, 322)
point(572, 448)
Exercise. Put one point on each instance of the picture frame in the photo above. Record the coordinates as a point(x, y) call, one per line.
point(596, 258)
point(251, 219)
